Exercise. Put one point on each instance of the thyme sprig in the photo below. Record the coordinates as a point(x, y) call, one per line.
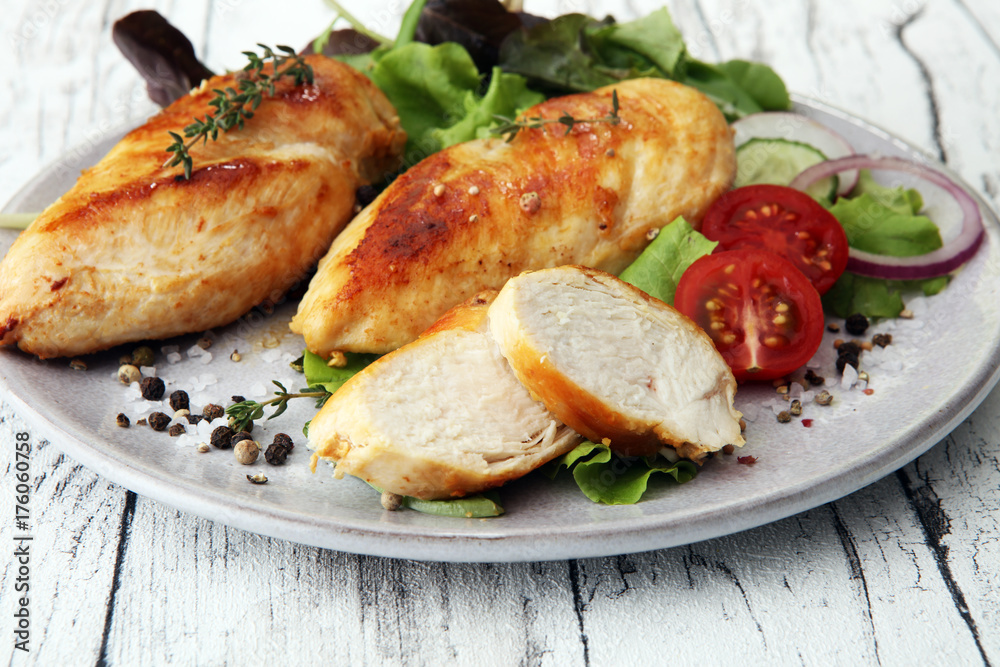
point(241, 414)
point(510, 127)
point(232, 107)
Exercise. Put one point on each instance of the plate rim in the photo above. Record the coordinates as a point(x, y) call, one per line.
point(627, 535)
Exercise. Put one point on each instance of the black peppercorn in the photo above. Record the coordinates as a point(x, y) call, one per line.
point(179, 400)
point(222, 437)
point(237, 399)
point(284, 440)
point(849, 347)
point(882, 339)
point(122, 420)
point(176, 430)
point(213, 411)
point(242, 435)
point(856, 324)
point(158, 421)
point(844, 359)
point(151, 388)
point(275, 454)
point(814, 379)
point(194, 419)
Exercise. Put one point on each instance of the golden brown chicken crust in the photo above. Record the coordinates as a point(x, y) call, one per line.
point(132, 253)
point(472, 216)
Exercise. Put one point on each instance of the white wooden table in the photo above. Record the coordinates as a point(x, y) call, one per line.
point(906, 571)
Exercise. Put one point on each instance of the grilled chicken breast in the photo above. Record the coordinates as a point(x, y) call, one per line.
point(470, 217)
point(441, 417)
point(614, 363)
point(131, 253)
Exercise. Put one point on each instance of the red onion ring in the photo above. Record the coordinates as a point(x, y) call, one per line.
point(939, 262)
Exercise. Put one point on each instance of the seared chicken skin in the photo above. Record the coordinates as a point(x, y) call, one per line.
point(443, 416)
point(470, 217)
point(614, 363)
point(130, 253)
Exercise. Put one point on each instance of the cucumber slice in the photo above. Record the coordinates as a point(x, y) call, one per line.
point(778, 161)
point(796, 127)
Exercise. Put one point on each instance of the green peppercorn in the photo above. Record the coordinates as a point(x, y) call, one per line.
point(142, 356)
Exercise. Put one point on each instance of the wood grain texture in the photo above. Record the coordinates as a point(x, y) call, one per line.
point(904, 571)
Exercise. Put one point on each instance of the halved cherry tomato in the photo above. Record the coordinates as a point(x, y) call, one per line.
point(764, 316)
point(782, 220)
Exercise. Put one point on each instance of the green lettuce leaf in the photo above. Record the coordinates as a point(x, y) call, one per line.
point(435, 90)
point(554, 56)
point(507, 96)
point(576, 53)
point(898, 199)
point(649, 42)
point(874, 297)
point(884, 221)
point(478, 506)
point(758, 81)
point(319, 374)
point(660, 266)
point(607, 478)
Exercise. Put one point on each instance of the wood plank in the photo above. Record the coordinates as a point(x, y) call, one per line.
point(75, 521)
point(245, 596)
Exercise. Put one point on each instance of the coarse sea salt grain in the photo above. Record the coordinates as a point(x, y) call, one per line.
point(167, 349)
point(850, 377)
point(195, 351)
point(808, 396)
point(173, 357)
point(750, 411)
point(206, 358)
point(257, 390)
point(142, 407)
point(148, 371)
point(270, 356)
point(208, 379)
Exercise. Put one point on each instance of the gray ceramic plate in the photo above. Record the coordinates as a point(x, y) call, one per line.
point(942, 364)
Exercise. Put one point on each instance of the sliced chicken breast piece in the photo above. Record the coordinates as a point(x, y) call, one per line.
point(471, 216)
point(615, 363)
point(132, 253)
point(441, 417)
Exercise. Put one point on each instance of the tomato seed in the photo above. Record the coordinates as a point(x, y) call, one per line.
point(775, 342)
